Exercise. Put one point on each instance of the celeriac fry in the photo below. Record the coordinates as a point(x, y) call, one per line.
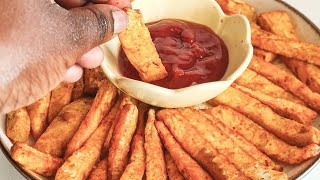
point(101, 105)
point(35, 160)
point(289, 131)
point(188, 167)
point(291, 48)
point(286, 81)
point(139, 48)
point(262, 139)
point(120, 141)
point(60, 97)
point(238, 7)
point(200, 149)
point(56, 137)
point(256, 82)
point(38, 113)
point(238, 139)
point(265, 55)
point(172, 169)
point(279, 22)
point(81, 162)
point(283, 107)
point(227, 146)
point(99, 171)
point(92, 79)
point(77, 91)
point(18, 125)
point(136, 166)
point(155, 164)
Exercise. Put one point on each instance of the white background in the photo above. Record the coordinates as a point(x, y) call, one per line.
point(310, 8)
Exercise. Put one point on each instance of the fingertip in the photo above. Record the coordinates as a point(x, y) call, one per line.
point(73, 74)
point(91, 59)
point(120, 19)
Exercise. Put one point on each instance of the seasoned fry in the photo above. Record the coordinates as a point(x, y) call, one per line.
point(81, 162)
point(38, 112)
point(289, 131)
point(279, 22)
point(56, 137)
point(99, 171)
point(155, 164)
point(256, 82)
point(189, 168)
point(291, 48)
point(283, 107)
point(92, 79)
point(282, 66)
point(200, 149)
point(101, 105)
point(265, 55)
point(18, 125)
point(120, 141)
point(136, 167)
point(60, 97)
point(262, 139)
point(139, 48)
point(35, 160)
point(142, 108)
point(238, 7)
point(227, 146)
point(238, 139)
point(172, 169)
point(286, 81)
point(77, 91)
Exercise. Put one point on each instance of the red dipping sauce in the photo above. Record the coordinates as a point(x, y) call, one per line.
point(191, 53)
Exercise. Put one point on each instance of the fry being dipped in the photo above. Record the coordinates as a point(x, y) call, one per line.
point(139, 48)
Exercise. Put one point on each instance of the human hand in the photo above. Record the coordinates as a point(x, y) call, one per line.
point(42, 44)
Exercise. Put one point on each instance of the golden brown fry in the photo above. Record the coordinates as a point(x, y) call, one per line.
point(289, 131)
point(101, 105)
point(262, 139)
point(56, 137)
point(139, 48)
point(81, 162)
point(283, 107)
point(92, 79)
point(238, 7)
point(279, 22)
point(291, 48)
point(265, 55)
point(225, 145)
point(38, 113)
point(35, 160)
point(18, 125)
point(172, 169)
point(188, 167)
point(60, 97)
point(200, 149)
point(136, 166)
point(238, 139)
point(77, 91)
point(256, 82)
point(120, 141)
point(155, 164)
point(99, 171)
point(142, 108)
point(286, 81)
point(282, 66)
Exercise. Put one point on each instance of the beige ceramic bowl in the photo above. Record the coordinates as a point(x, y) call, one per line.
point(234, 30)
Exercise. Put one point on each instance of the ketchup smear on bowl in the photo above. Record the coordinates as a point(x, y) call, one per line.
point(191, 53)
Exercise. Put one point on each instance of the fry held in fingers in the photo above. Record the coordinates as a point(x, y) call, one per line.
point(189, 168)
point(139, 48)
point(155, 164)
point(35, 160)
point(172, 169)
point(18, 125)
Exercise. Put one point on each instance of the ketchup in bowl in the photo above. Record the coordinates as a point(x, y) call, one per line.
point(191, 53)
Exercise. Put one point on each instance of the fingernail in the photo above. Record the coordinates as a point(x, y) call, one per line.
point(120, 19)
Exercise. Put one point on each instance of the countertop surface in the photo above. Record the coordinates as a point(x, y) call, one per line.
point(310, 8)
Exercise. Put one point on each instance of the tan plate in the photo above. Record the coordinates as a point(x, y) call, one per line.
point(307, 31)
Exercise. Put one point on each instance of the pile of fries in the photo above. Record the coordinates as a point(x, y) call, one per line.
point(88, 130)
